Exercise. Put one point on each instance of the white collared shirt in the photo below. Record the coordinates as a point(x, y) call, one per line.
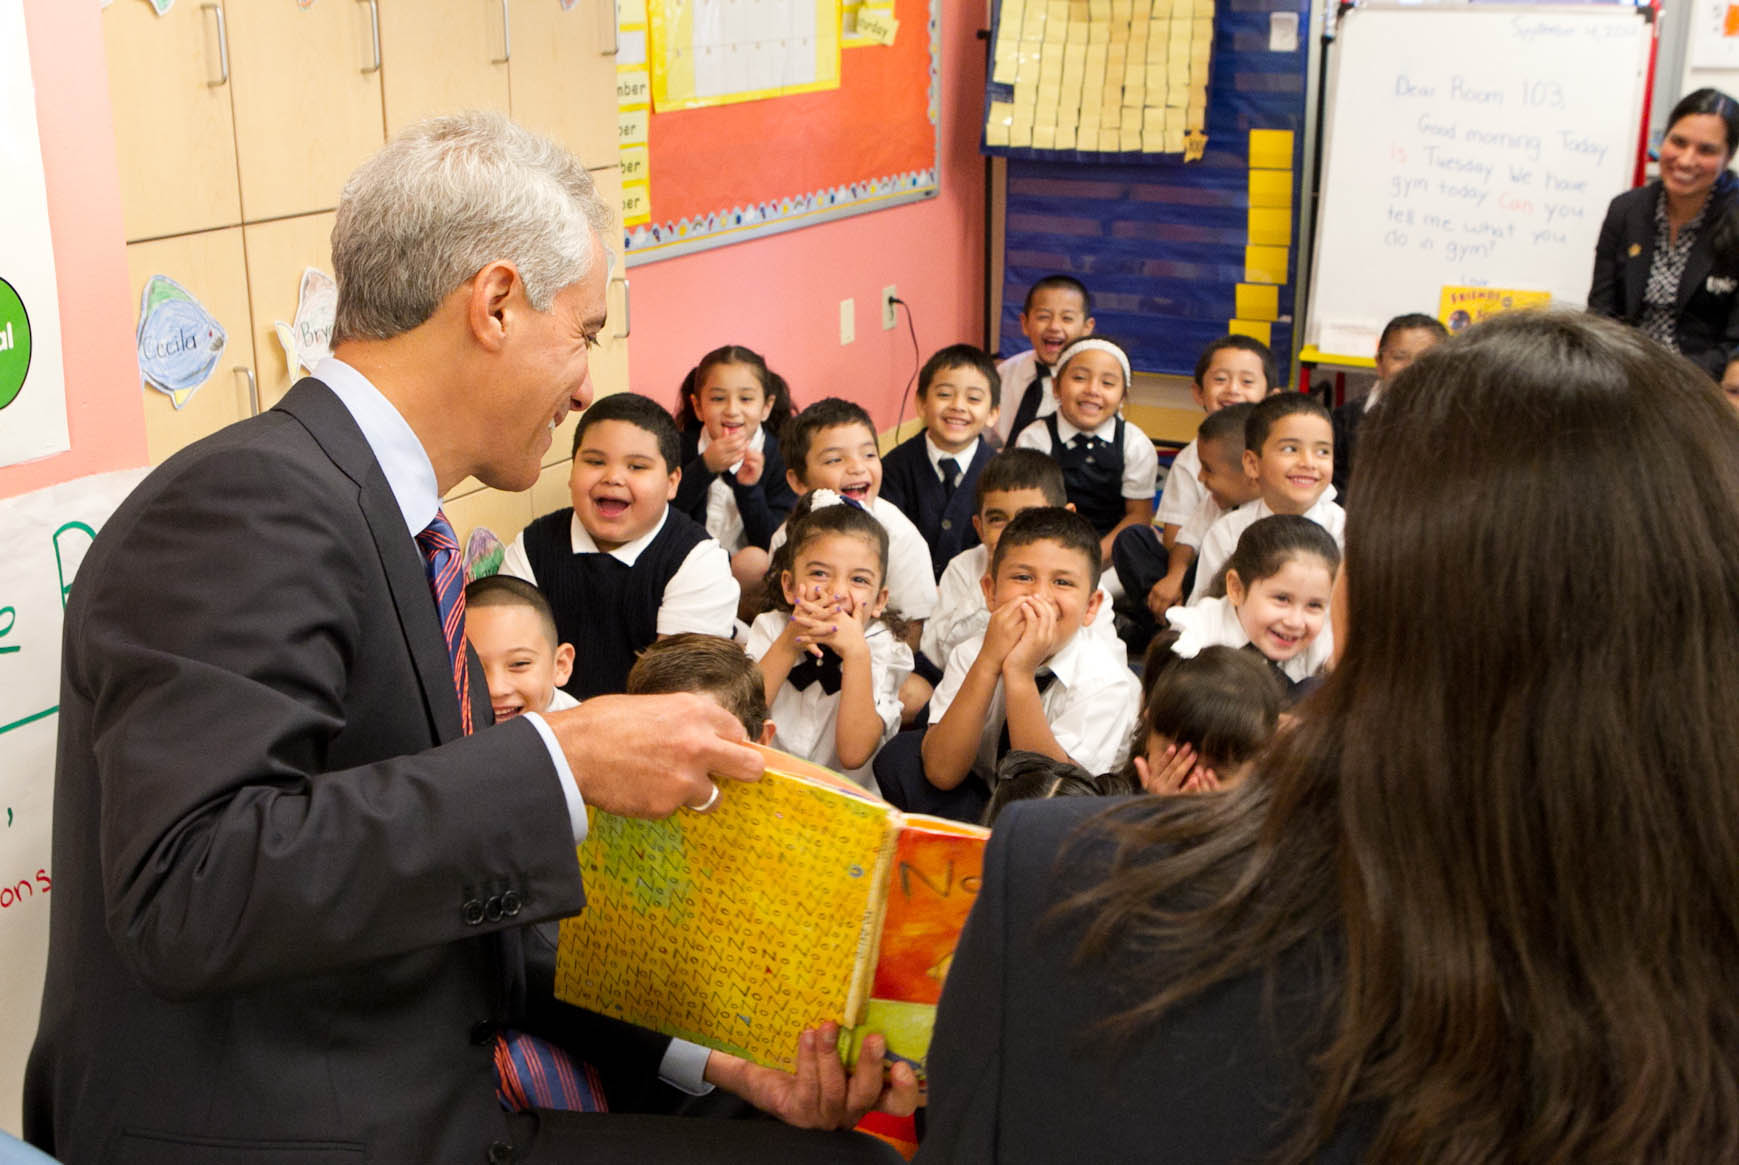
point(1091, 707)
point(1016, 373)
point(1215, 623)
point(1222, 537)
point(938, 454)
point(411, 477)
point(1183, 488)
point(701, 596)
point(806, 722)
point(911, 580)
point(1196, 527)
point(1140, 462)
point(961, 612)
point(724, 521)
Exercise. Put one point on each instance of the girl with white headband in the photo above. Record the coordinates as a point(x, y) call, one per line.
point(1109, 466)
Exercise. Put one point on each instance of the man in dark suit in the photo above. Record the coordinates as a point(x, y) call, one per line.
point(292, 882)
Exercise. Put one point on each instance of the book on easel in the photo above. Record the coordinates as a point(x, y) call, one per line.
point(799, 899)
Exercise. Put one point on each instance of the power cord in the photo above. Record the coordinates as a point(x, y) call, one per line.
point(900, 416)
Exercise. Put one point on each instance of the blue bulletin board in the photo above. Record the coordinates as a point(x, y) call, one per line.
point(1177, 253)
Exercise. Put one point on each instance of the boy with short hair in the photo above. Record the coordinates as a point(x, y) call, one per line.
point(1230, 370)
point(1289, 451)
point(1013, 482)
point(717, 668)
point(1155, 579)
point(832, 445)
point(509, 624)
point(1032, 680)
point(621, 566)
point(1058, 311)
point(932, 475)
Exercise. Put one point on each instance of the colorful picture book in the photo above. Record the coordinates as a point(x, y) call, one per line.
point(800, 899)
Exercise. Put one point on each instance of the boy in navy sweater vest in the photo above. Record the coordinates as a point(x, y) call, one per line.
point(621, 566)
point(932, 476)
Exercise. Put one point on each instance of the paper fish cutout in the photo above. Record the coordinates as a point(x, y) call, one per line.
point(162, 6)
point(308, 340)
point(179, 341)
point(483, 554)
point(568, 5)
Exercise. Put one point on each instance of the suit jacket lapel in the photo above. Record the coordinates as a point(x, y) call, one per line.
point(1698, 264)
point(330, 424)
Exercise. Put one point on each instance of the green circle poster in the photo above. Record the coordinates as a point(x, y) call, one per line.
point(14, 344)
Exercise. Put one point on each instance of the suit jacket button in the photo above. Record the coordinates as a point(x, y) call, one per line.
point(471, 912)
point(500, 1153)
point(492, 909)
point(947, 523)
point(482, 1033)
point(511, 904)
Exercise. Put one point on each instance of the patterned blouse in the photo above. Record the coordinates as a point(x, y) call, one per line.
point(1666, 271)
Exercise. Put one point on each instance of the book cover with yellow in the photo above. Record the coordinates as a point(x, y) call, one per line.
point(1462, 307)
point(799, 900)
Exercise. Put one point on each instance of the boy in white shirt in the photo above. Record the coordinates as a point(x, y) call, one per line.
point(1031, 681)
point(1057, 312)
point(1157, 579)
point(1013, 482)
point(1289, 451)
point(1233, 369)
point(509, 624)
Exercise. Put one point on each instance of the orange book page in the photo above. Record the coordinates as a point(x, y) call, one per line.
point(933, 881)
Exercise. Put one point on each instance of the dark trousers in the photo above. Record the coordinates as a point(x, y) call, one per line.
point(899, 769)
point(1141, 560)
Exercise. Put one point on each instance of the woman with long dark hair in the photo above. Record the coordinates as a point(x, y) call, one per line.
point(1482, 902)
point(1668, 256)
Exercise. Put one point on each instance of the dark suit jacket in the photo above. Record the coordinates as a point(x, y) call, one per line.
point(289, 894)
point(1019, 1072)
point(764, 505)
point(1708, 300)
point(910, 482)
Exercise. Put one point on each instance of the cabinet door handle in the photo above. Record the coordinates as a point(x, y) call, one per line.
point(253, 388)
point(222, 46)
point(627, 310)
point(506, 38)
point(608, 8)
point(373, 33)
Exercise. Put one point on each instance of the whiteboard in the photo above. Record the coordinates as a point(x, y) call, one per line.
point(1474, 146)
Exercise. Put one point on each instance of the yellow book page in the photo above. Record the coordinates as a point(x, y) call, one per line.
point(738, 928)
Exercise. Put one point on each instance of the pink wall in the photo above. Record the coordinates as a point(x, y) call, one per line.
point(105, 415)
point(780, 295)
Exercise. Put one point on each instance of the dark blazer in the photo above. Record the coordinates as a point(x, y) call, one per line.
point(910, 482)
point(289, 893)
point(1345, 421)
point(1708, 300)
point(1019, 1071)
point(764, 505)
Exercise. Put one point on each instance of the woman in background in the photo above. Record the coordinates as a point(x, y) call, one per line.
point(1668, 256)
point(1483, 902)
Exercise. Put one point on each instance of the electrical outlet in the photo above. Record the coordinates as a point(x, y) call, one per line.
point(889, 294)
point(847, 321)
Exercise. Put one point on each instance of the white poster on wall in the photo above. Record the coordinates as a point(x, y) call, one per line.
point(32, 384)
point(46, 534)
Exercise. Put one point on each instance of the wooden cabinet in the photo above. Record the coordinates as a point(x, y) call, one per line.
point(562, 79)
point(238, 121)
point(170, 79)
point(278, 253)
point(211, 267)
point(442, 56)
point(307, 100)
